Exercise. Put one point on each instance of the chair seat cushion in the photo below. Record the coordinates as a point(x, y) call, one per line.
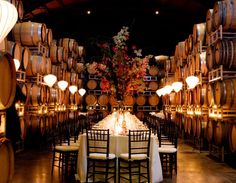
point(71, 144)
point(125, 156)
point(167, 149)
point(66, 148)
point(101, 156)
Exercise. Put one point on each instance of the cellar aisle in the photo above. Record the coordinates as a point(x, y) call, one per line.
point(34, 166)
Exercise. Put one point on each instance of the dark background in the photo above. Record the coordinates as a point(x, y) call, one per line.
point(154, 34)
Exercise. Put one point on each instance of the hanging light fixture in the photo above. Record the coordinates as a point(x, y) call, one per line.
point(177, 86)
point(168, 89)
point(160, 92)
point(192, 81)
point(62, 84)
point(8, 18)
point(73, 89)
point(82, 91)
point(50, 79)
point(17, 64)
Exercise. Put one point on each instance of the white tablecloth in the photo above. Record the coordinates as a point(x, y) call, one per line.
point(118, 145)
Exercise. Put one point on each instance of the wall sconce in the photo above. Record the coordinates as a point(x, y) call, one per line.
point(192, 81)
point(17, 64)
point(73, 89)
point(8, 18)
point(62, 84)
point(50, 79)
point(82, 91)
point(177, 86)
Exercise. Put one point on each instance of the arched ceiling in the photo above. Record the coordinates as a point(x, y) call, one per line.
point(155, 34)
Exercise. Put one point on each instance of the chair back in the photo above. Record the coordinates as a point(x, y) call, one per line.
point(139, 142)
point(98, 141)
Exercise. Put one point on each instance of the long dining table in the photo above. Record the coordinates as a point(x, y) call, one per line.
point(119, 144)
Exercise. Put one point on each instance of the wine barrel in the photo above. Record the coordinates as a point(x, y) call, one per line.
point(232, 137)
point(48, 66)
point(78, 98)
point(19, 7)
point(210, 94)
point(91, 99)
point(92, 84)
point(53, 96)
point(14, 49)
point(201, 94)
point(66, 99)
point(37, 64)
point(209, 131)
point(29, 33)
point(112, 100)
point(210, 21)
point(103, 99)
point(201, 126)
point(56, 53)
point(74, 78)
point(224, 14)
point(199, 33)
point(7, 80)
point(128, 100)
point(194, 126)
point(36, 94)
point(140, 100)
point(220, 131)
point(171, 65)
point(153, 71)
point(153, 85)
point(200, 61)
point(49, 36)
point(25, 57)
point(225, 53)
point(79, 67)
point(225, 93)
point(153, 100)
point(7, 161)
point(210, 57)
point(68, 43)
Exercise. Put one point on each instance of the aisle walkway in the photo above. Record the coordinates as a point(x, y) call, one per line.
point(193, 167)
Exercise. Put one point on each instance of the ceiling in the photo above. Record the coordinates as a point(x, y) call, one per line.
point(155, 34)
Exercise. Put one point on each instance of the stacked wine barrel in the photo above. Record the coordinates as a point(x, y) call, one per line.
point(208, 111)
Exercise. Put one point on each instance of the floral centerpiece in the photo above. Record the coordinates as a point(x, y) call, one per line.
point(121, 71)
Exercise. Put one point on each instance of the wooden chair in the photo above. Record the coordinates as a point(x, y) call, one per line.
point(136, 161)
point(168, 148)
point(64, 154)
point(99, 160)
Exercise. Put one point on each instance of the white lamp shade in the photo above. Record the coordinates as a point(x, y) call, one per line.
point(17, 64)
point(73, 89)
point(62, 84)
point(177, 86)
point(8, 18)
point(82, 91)
point(50, 79)
point(168, 89)
point(159, 92)
point(192, 81)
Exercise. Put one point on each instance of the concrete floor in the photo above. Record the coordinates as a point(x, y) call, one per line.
point(34, 166)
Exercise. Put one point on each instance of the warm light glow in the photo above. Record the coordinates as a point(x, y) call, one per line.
point(17, 64)
point(62, 84)
point(156, 12)
point(192, 81)
point(73, 89)
point(82, 91)
point(88, 12)
point(160, 92)
point(50, 79)
point(8, 18)
point(177, 86)
point(168, 89)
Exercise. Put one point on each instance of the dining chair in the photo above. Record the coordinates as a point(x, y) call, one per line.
point(101, 164)
point(64, 154)
point(135, 163)
point(168, 148)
